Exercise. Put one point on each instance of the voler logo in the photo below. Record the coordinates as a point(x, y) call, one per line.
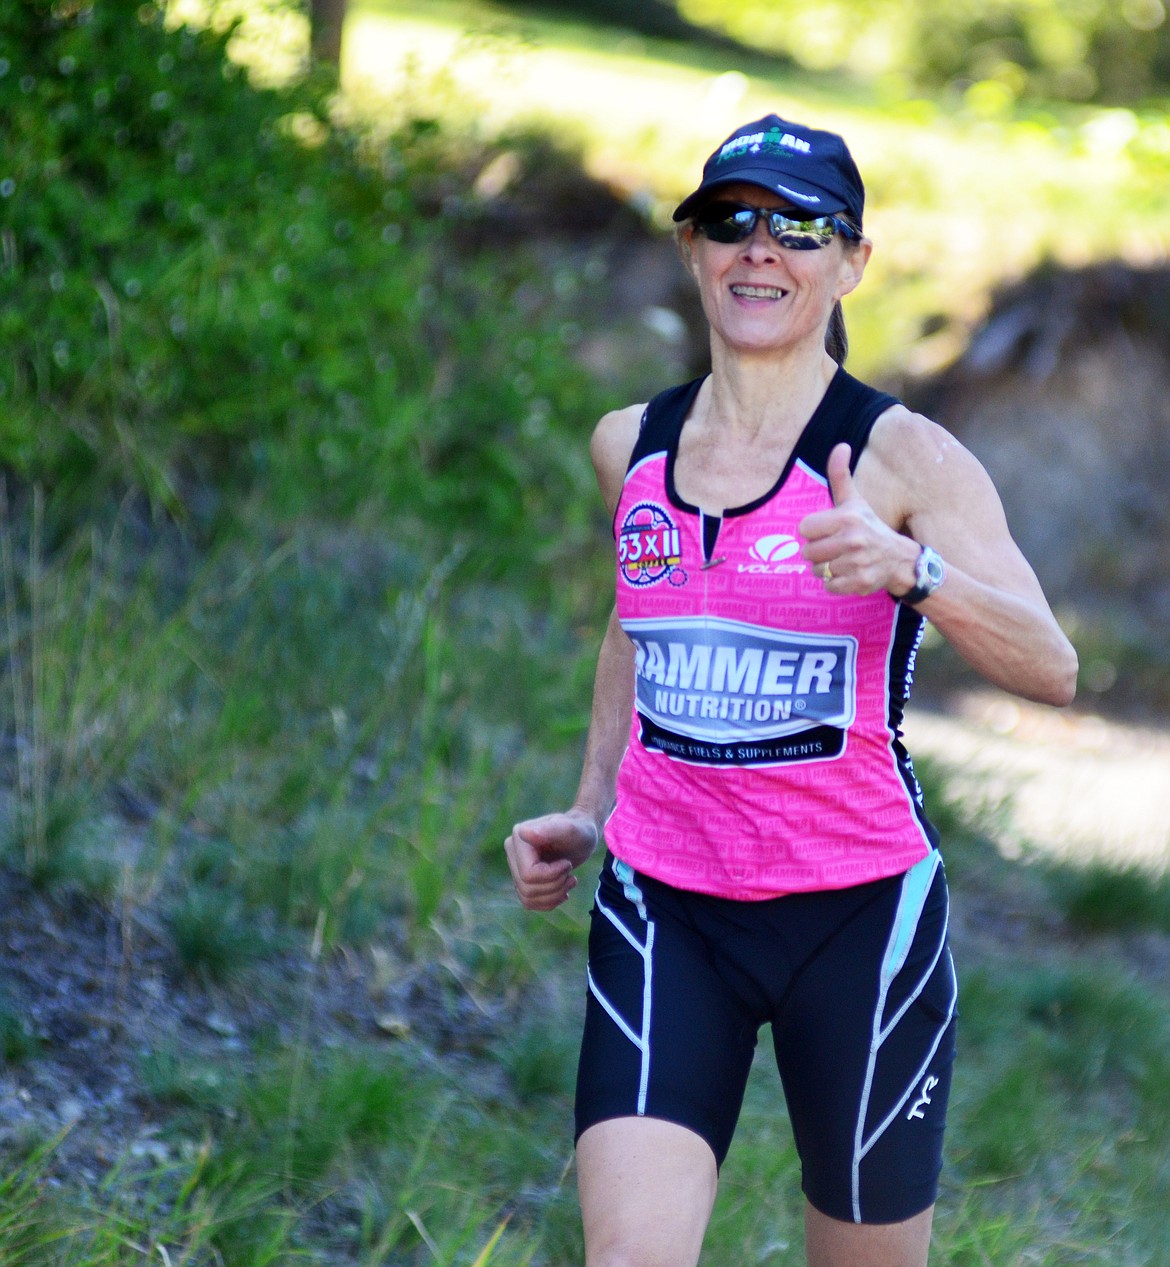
point(649, 548)
point(774, 555)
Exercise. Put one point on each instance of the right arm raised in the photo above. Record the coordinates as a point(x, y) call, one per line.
point(543, 852)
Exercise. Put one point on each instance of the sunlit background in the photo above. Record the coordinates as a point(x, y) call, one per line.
point(992, 138)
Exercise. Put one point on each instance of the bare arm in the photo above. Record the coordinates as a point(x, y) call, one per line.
point(916, 485)
point(543, 852)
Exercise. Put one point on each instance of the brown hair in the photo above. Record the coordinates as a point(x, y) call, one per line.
point(836, 336)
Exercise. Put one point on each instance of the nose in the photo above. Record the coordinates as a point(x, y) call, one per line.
point(760, 244)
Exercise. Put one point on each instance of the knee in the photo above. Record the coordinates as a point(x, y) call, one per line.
point(635, 1256)
point(655, 1242)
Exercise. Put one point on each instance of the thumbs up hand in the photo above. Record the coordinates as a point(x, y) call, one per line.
point(840, 477)
point(851, 548)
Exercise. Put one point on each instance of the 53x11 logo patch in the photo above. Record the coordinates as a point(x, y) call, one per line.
point(649, 547)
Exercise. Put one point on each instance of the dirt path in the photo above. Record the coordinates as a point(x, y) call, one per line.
point(1071, 784)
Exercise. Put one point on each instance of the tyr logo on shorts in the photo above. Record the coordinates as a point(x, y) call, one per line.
point(919, 1107)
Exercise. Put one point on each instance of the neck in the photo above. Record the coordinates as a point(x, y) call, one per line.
point(767, 393)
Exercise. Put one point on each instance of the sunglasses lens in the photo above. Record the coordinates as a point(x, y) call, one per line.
point(802, 235)
point(726, 222)
point(802, 240)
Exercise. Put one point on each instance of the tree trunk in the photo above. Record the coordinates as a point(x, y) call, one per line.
point(326, 18)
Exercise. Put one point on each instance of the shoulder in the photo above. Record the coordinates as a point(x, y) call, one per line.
point(914, 463)
point(613, 442)
point(901, 435)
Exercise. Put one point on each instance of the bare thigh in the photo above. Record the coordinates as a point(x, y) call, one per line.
point(647, 1188)
point(832, 1243)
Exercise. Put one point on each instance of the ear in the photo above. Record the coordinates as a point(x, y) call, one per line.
point(685, 238)
point(853, 262)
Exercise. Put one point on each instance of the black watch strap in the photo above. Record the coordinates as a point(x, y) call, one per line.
point(929, 573)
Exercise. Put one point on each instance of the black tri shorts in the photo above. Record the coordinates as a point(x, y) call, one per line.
point(858, 987)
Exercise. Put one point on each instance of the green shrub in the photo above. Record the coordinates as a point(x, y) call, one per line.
point(1102, 898)
point(206, 284)
point(139, 243)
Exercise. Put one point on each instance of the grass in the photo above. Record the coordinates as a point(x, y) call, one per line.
point(385, 809)
point(17, 1043)
point(90, 670)
point(332, 754)
point(315, 747)
point(1102, 898)
point(211, 934)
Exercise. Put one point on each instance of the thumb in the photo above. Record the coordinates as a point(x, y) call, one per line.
point(840, 478)
point(535, 834)
point(550, 834)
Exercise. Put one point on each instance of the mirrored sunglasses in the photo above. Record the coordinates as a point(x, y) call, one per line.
point(734, 222)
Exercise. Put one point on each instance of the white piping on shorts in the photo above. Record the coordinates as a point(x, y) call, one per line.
point(915, 888)
point(646, 951)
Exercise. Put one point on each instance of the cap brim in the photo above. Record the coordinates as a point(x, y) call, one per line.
point(801, 192)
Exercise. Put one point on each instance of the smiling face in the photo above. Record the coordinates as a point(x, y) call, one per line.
point(760, 296)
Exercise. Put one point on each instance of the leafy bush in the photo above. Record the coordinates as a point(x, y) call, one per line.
point(135, 308)
point(206, 283)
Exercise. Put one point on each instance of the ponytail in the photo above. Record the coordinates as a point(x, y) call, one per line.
point(836, 338)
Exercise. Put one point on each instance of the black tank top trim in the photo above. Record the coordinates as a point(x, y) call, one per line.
point(846, 414)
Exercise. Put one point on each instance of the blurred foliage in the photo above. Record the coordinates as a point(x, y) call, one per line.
point(657, 18)
point(1077, 50)
point(1109, 898)
point(205, 285)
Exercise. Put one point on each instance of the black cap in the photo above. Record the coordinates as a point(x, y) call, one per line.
point(812, 169)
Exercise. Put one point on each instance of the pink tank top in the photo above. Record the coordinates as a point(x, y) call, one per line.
point(764, 754)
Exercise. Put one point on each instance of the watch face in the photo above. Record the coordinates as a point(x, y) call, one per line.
point(930, 569)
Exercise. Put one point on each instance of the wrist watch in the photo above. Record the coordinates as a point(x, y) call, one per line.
point(929, 574)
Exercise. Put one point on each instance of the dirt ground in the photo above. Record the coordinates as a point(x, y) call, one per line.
point(1068, 783)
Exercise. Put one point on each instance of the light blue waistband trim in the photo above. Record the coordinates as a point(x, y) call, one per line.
point(915, 887)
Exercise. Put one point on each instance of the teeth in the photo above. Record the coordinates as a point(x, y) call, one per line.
point(758, 292)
